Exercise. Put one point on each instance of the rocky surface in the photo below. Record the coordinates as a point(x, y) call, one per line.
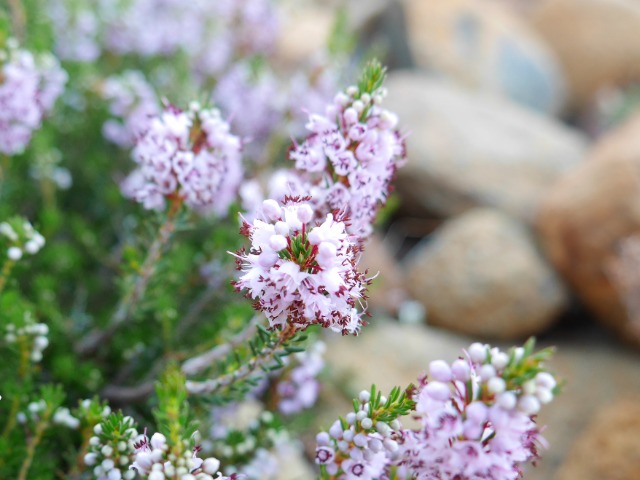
point(467, 149)
point(483, 45)
point(596, 42)
point(482, 275)
point(585, 218)
point(608, 447)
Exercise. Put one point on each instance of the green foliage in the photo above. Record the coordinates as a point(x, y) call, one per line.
point(372, 78)
point(398, 404)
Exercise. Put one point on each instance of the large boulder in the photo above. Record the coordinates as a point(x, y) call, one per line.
point(596, 41)
point(588, 216)
point(485, 45)
point(470, 149)
point(482, 275)
point(609, 447)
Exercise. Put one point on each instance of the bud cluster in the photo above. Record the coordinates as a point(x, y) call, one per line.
point(30, 335)
point(112, 448)
point(350, 157)
point(300, 272)
point(365, 442)
point(477, 415)
point(29, 86)
point(154, 460)
point(20, 237)
point(186, 155)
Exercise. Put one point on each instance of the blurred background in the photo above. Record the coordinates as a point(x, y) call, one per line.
point(518, 212)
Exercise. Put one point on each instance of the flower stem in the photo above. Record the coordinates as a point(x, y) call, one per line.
point(31, 447)
point(260, 359)
point(5, 272)
point(18, 18)
point(90, 343)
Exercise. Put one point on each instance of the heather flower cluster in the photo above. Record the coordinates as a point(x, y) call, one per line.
point(477, 415)
point(20, 237)
point(31, 334)
point(212, 34)
point(301, 272)
point(362, 445)
point(477, 420)
point(189, 157)
point(154, 461)
point(351, 155)
point(29, 86)
point(112, 448)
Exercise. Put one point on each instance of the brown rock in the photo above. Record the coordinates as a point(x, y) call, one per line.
point(482, 275)
point(586, 217)
point(471, 149)
point(485, 45)
point(596, 42)
point(304, 33)
point(609, 447)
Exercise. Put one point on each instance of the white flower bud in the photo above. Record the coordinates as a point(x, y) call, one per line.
point(366, 423)
point(546, 380)
point(278, 242)
point(14, 253)
point(506, 400)
point(114, 474)
point(477, 352)
point(271, 209)
point(107, 450)
point(90, 459)
point(496, 385)
point(544, 395)
point(529, 405)
point(440, 370)
point(529, 387)
point(499, 360)
point(487, 372)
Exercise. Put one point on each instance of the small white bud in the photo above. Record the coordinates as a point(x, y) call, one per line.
point(477, 352)
point(366, 423)
point(496, 385)
point(14, 253)
point(529, 405)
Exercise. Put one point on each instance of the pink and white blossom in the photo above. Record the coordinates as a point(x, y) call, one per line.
point(189, 156)
point(300, 271)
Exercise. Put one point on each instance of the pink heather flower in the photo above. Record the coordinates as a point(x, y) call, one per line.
point(153, 459)
point(302, 272)
point(299, 388)
point(351, 154)
point(475, 423)
point(133, 102)
point(190, 156)
point(29, 86)
point(212, 35)
point(253, 103)
point(358, 447)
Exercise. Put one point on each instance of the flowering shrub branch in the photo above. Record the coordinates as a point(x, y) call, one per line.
point(111, 313)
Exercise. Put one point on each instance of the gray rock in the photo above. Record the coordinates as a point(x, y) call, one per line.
point(484, 45)
point(467, 149)
point(482, 275)
point(596, 42)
